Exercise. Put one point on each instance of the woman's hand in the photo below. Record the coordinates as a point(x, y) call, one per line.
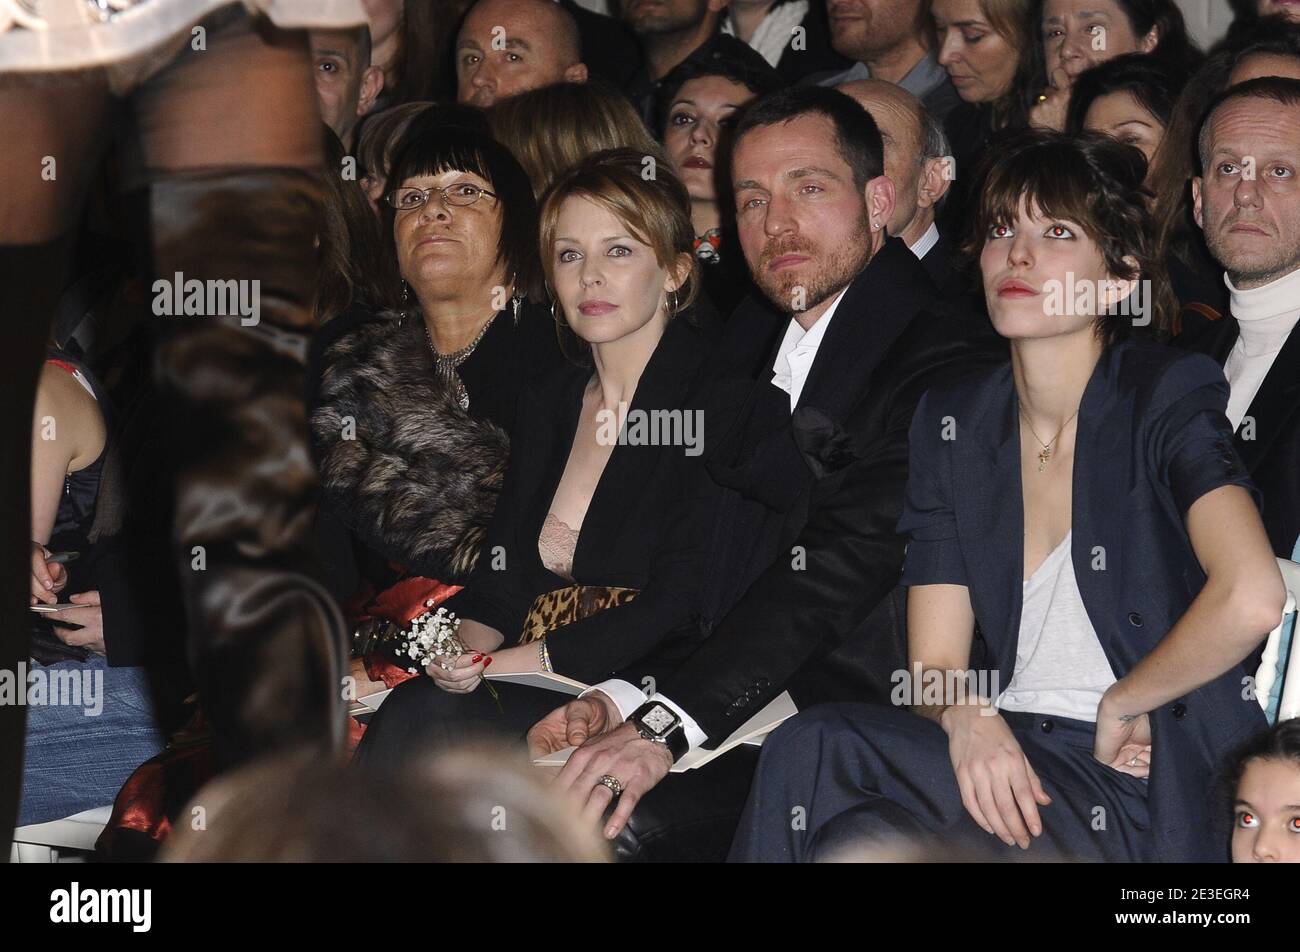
point(90, 616)
point(47, 580)
point(1123, 738)
point(998, 787)
point(462, 675)
point(1054, 105)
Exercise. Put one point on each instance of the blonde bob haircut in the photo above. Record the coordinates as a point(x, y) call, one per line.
point(643, 193)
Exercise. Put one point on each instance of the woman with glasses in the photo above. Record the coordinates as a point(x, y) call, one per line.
point(415, 410)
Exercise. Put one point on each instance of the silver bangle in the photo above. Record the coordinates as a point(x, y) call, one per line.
point(544, 656)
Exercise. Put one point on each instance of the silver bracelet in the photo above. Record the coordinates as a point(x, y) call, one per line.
point(544, 656)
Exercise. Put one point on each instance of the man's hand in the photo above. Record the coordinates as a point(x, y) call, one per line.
point(573, 724)
point(999, 788)
point(47, 579)
point(1123, 739)
point(636, 763)
point(91, 616)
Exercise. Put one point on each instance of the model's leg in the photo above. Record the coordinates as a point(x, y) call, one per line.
point(230, 139)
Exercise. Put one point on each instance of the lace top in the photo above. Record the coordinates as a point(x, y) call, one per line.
point(556, 545)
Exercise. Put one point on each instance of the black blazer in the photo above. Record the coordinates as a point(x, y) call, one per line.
point(1273, 456)
point(1152, 439)
point(645, 527)
point(803, 567)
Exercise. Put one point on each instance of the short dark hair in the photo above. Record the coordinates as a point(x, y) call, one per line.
point(1279, 89)
point(1154, 83)
point(758, 81)
point(1090, 179)
point(857, 137)
point(431, 147)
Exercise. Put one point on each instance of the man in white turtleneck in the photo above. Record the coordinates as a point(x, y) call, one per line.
point(1248, 203)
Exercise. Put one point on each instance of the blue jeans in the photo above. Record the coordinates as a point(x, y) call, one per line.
point(77, 759)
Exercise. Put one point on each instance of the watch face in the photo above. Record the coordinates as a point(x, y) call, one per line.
point(658, 719)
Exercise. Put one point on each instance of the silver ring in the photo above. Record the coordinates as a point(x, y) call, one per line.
point(1133, 762)
point(615, 787)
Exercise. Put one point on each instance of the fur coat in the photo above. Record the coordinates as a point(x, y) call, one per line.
point(414, 475)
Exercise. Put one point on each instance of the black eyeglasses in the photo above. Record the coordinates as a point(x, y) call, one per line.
point(460, 194)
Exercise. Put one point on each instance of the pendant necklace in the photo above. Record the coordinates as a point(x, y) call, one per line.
point(446, 364)
point(1045, 453)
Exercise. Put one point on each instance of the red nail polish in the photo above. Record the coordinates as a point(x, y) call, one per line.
point(477, 658)
point(487, 662)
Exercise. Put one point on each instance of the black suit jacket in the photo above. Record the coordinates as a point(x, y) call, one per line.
point(1151, 440)
point(645, 527)
point(803, 568)
point(1272, 453)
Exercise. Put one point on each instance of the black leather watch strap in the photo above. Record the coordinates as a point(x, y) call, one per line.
point(675, 740)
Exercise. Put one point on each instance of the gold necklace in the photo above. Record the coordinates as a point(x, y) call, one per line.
point(1045, 453)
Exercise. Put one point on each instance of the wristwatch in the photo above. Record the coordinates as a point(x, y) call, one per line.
point(658, 722)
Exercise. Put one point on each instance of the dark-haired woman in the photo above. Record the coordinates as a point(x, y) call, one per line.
point(696, 109)
point(415, 410)
point(1130, 98)
point(1263, 776)
point(1084, 506)
point(1077, 35)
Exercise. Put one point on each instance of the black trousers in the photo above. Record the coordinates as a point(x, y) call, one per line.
point(859, 777)
point(688, 817)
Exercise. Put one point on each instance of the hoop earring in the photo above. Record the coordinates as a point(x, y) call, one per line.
point(671, 311)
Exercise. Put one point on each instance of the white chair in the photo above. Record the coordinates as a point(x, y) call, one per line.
point(1280, 666)
point(47, 842)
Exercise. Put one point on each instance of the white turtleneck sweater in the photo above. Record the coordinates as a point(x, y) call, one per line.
point(1265, 317)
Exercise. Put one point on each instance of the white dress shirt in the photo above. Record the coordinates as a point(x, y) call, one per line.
point(794, 358)
point(925, 244)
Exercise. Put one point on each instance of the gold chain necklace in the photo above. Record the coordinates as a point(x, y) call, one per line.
point(1045, 453)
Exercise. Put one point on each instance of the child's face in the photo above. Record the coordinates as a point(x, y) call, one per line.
point(1267, 824)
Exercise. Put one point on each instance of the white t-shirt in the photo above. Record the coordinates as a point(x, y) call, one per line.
point(1060, 666)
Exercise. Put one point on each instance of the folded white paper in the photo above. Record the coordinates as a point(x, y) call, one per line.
point(754, 731)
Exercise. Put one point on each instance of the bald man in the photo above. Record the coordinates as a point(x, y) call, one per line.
point(507, 47)
point(916, 161)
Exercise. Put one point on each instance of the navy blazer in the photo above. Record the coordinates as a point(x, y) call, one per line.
point(1151, 439)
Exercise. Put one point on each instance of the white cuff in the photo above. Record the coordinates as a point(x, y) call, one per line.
point(694, 736)
point(627, 698)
